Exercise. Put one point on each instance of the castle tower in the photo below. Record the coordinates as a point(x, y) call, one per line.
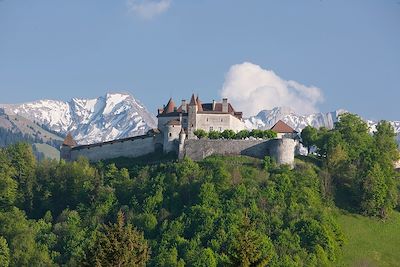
point(182, 137)
point(171, 135)
point(66, 147)
point(192, 114)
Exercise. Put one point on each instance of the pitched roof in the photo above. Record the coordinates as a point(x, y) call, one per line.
point(170, 107)
point(281, 127)
point(193, 101)
point(69, 141)
point(199, 105)
point(217, 108)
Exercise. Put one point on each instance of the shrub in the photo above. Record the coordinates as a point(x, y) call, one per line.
point(268, 134)
point(256, 133)
point(264, 134)
point(214, 135)
point(243, 134)
point(200, 133)
point(228, 134)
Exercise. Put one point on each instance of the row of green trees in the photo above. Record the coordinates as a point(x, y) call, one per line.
point(219, 212)
point(230, 134)
point(358, 167)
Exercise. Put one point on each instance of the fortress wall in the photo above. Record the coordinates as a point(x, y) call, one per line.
point(200, 149)
point(282, 150)
point(130, 148)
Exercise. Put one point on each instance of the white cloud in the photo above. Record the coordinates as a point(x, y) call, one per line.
point(148, 9)
point(252, 89)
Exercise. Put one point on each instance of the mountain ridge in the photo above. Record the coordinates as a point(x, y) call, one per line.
point(119, 115)
point(112, 116)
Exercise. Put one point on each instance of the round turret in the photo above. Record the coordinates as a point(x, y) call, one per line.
point(283, 150)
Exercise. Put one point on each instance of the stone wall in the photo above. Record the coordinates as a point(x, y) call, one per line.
point(133, 147)
point(282, 150)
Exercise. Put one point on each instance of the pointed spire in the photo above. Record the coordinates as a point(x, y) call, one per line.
point(199, 104)
point(170, 106)
point(69, 141)
point(193, 101)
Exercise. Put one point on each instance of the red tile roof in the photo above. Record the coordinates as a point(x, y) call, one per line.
point(192, 101)
point(281, 127)
point(199, 105)
point(69, 141)
point(170, 107)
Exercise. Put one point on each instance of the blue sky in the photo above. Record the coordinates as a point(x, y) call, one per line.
point(314, 54)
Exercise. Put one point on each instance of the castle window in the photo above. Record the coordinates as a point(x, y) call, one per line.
point(170, 134)
point(211, 128)
point(207, 119)
point(222, 120)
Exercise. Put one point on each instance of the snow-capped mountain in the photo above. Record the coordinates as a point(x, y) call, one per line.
point(267, 118)
point(101, 119)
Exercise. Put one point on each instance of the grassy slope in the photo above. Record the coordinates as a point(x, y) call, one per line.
point(27, 127)
point(370, 241)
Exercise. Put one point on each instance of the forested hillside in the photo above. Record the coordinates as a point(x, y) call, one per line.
point(14, 129)
point(222, 211)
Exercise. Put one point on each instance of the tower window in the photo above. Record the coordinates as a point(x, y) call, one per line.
point(170, 134)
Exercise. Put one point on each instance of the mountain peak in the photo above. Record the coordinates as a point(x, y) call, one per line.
point(108, 117)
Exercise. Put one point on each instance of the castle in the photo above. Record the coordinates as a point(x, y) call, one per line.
point(176, 133)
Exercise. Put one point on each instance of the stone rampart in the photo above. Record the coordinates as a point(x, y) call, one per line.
point(282, 150)
point(133, 147)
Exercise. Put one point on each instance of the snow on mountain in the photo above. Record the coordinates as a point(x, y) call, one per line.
point(102, 119)
point(267, 118)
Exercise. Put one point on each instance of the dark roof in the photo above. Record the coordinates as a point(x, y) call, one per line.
point(218, 107)
point(69, 141)
point(281, 127)
point(172, 114)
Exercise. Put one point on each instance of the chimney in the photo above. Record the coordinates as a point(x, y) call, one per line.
point(213, 105)
point(225, 105)
point(184, 105)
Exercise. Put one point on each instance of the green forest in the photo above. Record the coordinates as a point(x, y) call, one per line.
point(221, 211)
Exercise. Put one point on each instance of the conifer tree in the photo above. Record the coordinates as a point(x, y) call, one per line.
point(119, 244)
